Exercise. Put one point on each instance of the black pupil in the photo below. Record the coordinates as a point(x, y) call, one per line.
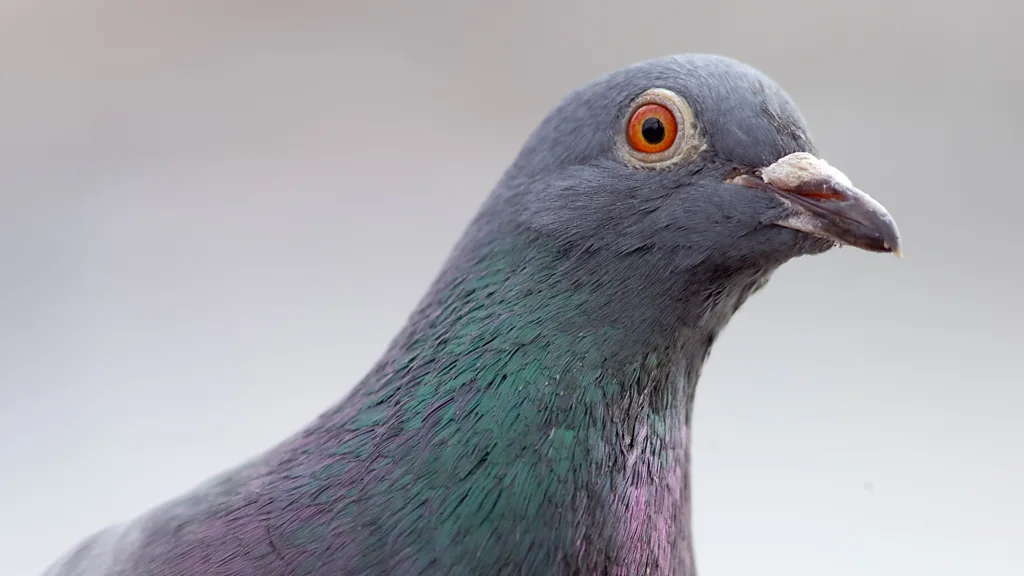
point(653, 131)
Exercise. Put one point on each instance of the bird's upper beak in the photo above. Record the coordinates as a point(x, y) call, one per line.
point(826, 203)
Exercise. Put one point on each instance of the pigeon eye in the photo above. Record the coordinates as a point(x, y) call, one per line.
point(652, 129)
point(660, 130)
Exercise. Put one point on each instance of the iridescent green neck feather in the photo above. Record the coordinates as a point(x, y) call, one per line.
point(531, 410)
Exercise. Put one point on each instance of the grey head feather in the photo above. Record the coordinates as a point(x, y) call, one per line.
point(569, 182)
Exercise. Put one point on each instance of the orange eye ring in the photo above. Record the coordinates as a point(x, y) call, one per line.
point(652, 129)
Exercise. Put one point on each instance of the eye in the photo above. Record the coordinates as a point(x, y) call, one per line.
point(652, 129)
point(659, 130)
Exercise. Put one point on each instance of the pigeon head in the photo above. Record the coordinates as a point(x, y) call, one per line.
point(698, 158)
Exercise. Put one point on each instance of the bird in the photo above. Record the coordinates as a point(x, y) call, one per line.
point(534, 414)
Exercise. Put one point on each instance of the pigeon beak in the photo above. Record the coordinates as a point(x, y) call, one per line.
point(825, 203)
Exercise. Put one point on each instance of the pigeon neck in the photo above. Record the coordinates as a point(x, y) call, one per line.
point(647, 332)
point(562, 392)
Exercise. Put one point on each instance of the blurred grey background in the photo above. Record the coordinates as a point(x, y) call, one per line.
point(214, 216)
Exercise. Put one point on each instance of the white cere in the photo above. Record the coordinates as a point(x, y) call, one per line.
point(800, 167)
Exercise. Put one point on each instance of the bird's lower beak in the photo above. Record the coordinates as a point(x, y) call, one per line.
point(826, 203)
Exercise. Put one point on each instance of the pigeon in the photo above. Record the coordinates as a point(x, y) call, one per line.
point(533, 416)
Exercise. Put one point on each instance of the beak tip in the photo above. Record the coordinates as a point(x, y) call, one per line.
point(892, 241)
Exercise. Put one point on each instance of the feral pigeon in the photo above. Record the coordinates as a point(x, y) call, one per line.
point(533, 416)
